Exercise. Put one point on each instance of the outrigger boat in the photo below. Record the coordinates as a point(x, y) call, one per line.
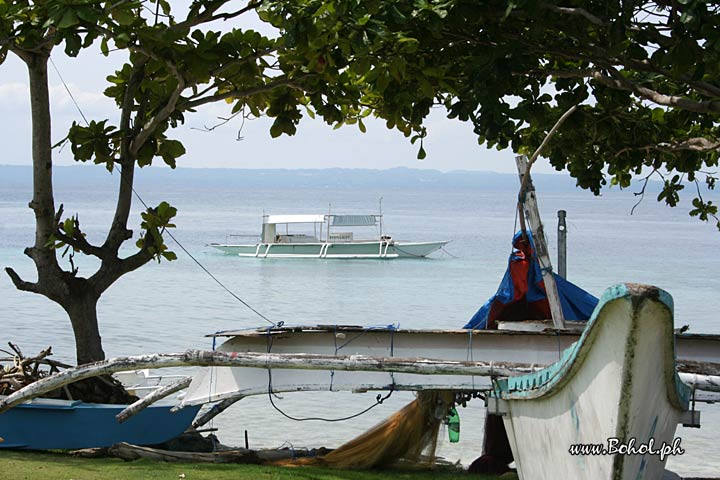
point(44, 424)
point(499, 350)
point(616, 379)
point(50, 424)
point(326, 241)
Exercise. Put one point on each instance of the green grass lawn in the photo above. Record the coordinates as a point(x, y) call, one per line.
point(57, 466)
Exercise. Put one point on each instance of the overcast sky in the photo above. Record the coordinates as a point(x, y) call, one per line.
point(451, 144)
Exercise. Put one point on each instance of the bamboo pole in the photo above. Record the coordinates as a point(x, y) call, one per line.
point(708, 383)
point(528, 199)
point(216, 410)
point(151, 398)
point(302, 361)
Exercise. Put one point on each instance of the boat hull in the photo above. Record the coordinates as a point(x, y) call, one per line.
point(345, 250)
point(617, 382)
point(530, 347)
point(44, 424)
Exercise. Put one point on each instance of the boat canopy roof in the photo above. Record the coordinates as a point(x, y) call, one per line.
point(294, 218)
point(335, 220)
point(353, 220)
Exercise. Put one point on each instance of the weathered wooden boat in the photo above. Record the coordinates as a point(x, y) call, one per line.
point(44, 424)
point(325, 241)
point(538, 348)
point(615, 388)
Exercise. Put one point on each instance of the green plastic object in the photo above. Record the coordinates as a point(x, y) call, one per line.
point(454, 426)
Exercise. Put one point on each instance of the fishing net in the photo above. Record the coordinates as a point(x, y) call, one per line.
point(405, 435)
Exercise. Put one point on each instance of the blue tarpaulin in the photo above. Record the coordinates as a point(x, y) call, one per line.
point(521, 295)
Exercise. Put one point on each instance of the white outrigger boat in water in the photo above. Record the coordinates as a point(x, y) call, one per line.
point(326, 241)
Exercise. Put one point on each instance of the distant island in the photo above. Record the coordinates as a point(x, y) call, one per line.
point(399, 178)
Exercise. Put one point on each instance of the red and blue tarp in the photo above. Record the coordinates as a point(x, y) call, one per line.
point(521, 295)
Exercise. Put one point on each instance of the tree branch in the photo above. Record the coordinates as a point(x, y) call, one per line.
point(286, 82)
point(78, 242)
point(621, 83)
point(112, 270)
point(575, 11)
point(207, 15)
point(21, 284)
point(551, 133)
point(149, 128)
point(698, 144)
point(230, 16)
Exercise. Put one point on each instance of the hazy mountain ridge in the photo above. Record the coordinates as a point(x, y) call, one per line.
point(89, 176)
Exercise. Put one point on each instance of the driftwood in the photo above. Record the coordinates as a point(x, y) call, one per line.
point(237, 455)
point(153, 397)
point(134, 452)
point(23, 371)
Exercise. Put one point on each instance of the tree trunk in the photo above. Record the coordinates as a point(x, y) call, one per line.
point(42, 202)
point(81, 307)
point(76, 295)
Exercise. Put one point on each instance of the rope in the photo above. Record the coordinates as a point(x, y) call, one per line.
point(442, 249)
point(69, 92)
point(469, 355)
point(378, 401)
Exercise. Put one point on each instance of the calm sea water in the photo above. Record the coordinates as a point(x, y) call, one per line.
point(169, 307)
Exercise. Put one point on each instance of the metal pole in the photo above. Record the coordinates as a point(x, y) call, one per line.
point(562, 244)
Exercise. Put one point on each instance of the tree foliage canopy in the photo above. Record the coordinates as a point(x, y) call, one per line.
point(175, 62)
point(646, 77)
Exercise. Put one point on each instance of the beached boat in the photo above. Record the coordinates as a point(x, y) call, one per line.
point(44, 424)
point(326, 240)
point(501, 347)
point(617, 387)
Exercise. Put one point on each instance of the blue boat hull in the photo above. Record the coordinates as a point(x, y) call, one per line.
point(54, 424)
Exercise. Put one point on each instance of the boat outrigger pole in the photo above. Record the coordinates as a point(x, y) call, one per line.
point(527, 205)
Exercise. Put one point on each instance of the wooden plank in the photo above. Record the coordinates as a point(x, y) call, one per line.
point(529, 199)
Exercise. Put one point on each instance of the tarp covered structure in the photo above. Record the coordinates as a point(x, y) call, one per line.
point(521, 295)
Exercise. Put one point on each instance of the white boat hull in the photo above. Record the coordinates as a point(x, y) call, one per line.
point(619, 382)
point(538, 348)
point(343, 250)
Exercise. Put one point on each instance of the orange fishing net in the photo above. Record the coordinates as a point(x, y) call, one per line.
point(402, 436)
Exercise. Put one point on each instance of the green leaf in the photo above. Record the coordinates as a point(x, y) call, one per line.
point(170, 256)
point(68, 20)
point(69, 227)
point(421, 153)
point(658, 115)
point(123, 17)
point(73, 43)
